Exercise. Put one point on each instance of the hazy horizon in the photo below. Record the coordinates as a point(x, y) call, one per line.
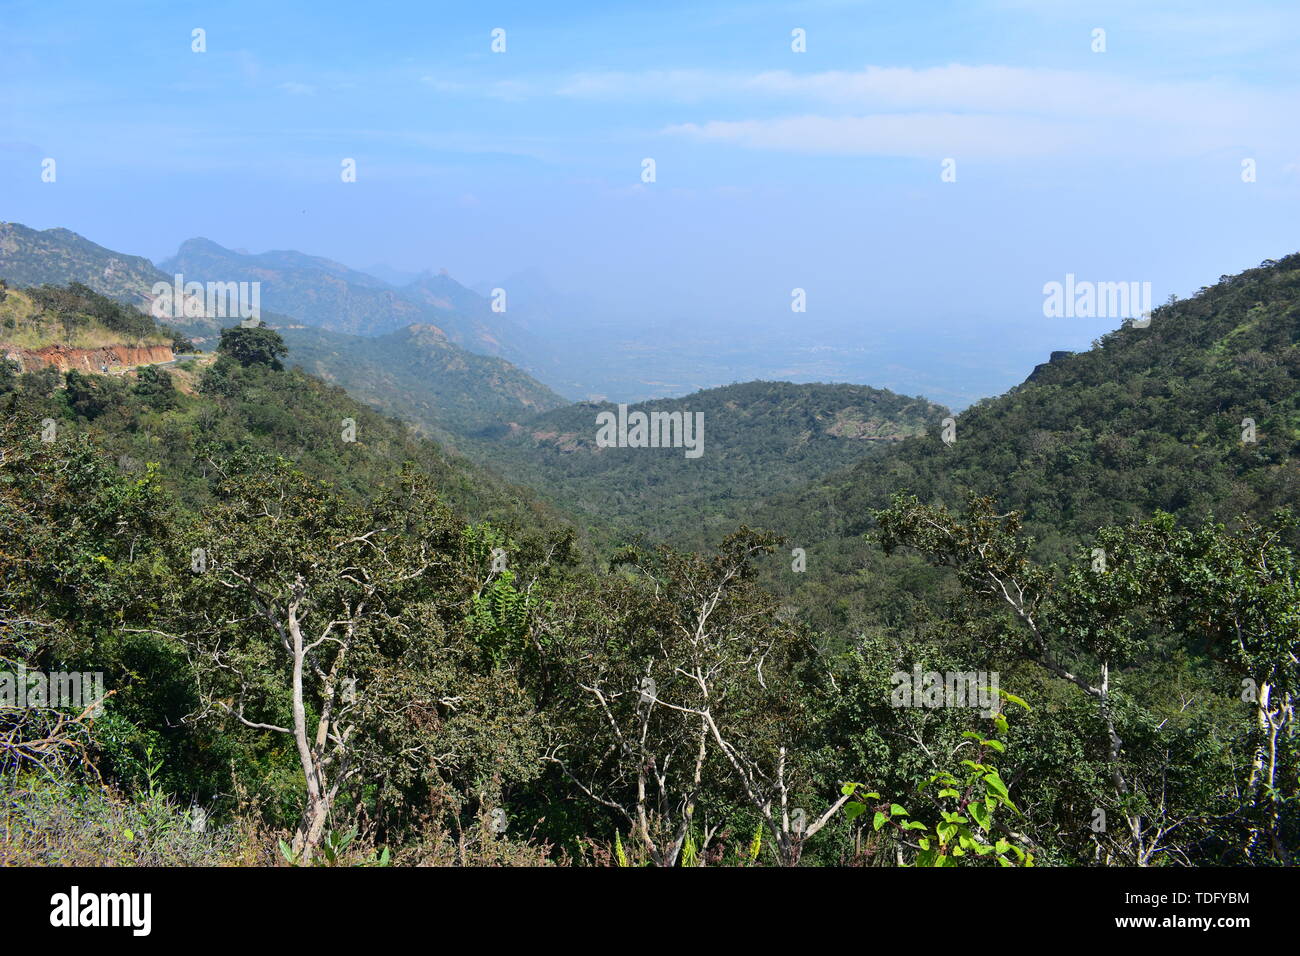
point(774, 169)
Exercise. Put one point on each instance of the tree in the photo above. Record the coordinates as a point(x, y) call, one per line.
point(92, 395)
point(968, 799)
point(8, 375)
point(691, 681)
point(77, 555)
point(1149, 582)
point(155, 386)
point(253, 346)
point(1238, 593)
point(300, 621)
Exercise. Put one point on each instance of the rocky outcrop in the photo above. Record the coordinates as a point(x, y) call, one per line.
point(1054, 359)
point(88, 360)
point(850, 423)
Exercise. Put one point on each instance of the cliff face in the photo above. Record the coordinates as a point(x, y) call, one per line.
point(88, 360)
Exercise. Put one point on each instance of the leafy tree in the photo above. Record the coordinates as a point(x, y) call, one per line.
point(155, 386)
point(689, 678)
point(968, 803)
point(90, 396)
point(335, 625)
point(78, 548)
point(9, 371)
point(1237, 594)
point(257, 345)
point(1148, 584)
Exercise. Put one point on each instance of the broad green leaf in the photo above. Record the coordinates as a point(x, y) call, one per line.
point(995, 782)
point(1015, 700)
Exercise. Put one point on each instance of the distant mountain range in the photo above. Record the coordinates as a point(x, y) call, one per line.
point(323, 293)
point(346, 327)
point(434, 353)
point(59, 256)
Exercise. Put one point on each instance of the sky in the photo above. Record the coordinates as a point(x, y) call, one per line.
point(773, 169)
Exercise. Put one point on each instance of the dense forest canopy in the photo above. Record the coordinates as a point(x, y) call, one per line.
point(1069, 637)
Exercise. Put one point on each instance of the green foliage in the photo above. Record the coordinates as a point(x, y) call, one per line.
point(90, 396)
point(1153, 593)
point(677, 696)
point(257, 345)
point(964, 823)
point(1149, 420)
point(499, 618)
point(760, 439)
point(690, 852)
point(155, 386)
point(77, 305)
point(419, 375)
point(9, 371)
point(334, 851)
point(47, 821)
point(56, 314)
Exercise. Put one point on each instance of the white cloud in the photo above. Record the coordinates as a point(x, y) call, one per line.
point(680, 85)
point(991, 111)
point(919, 135)
point(497, 89)
point(976, 111)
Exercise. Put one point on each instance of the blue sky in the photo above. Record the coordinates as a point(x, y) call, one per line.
point(774, 169)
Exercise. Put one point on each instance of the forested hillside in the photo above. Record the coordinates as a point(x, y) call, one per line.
point(760, 439)
point(336, 643)
point(826, 436)
point(30, 257)
point(418, 375)
point(259, 406)
point(74, 317)
point(1148, 419)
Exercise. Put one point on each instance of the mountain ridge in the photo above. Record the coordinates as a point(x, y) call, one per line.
point(1149, 419)
point(759, 437)
point(446, 406)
